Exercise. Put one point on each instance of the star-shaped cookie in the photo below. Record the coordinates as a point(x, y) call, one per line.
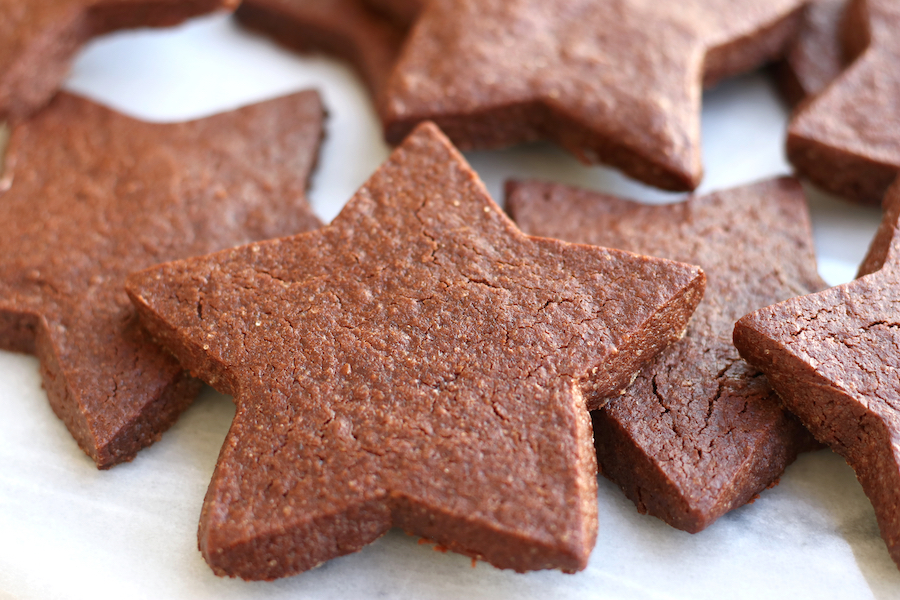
point(92, 196)
point(815, 57)
point(613, 81)
point(699, 432)
point(834, 358)
point(345, 28)
point(419, 363)
point(39, 37)
point(847, 139)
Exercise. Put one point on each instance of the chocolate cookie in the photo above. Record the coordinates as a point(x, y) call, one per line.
point(345, 28)
point(834, 358)
point(402, 11)
point(39, 37)
point(94, 196)
point(847, 140)
point(613, 81)
point(418, 363)
point(816, 56)
point(699, 432)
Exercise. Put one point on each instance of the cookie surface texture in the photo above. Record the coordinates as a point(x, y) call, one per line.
point(419, 363)
point(847, 139)
point(834, 358)
point(613, 81)
point(348, 29)
point(39, 37)
point(699, 432)
point(816, 56)
point(92, 196)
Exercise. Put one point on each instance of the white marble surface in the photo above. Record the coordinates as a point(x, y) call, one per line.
point(70, 531)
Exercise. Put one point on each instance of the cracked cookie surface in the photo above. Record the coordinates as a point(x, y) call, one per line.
point(418, 363)
point(699, 432)
point(90, 196)
point(834, 358)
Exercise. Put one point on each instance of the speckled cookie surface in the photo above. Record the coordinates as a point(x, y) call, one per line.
point(39, 37)
point(419, 363)
point(847, 140)
point(699, 432)
point(497, 72)
point(816, 55)
point(834, 358)
point(348, 29)
point(92, 196)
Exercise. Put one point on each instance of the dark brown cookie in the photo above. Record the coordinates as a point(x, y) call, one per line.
point(347, 29)
point(94, 196)
point(847, 139)
point(834, 358)
point(816, 56)
point(402, 11)
point(616, 81)
point(39, 37)
point(418, 363)
point(699, 432)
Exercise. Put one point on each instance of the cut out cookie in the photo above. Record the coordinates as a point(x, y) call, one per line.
point(347, 29)
point(834, 358)
point(95, 195)
point(39, 37)
point(699, 432)
point(816, 56)
point(419, 363)
point(847, 139)
point(616, 82)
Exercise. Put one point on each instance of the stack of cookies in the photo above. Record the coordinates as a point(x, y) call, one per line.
point(428, 361)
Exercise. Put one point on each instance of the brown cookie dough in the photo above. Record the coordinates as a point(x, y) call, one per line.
point(816, 56)
point(834, 358)
point(614, 81)
point(418, 363)
point(847, 139)
point(402, 11)
point(699, 432)
point(347, 29)
point(39, 37)
point(94, 196)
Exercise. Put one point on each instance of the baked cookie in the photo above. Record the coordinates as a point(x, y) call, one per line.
point(92, 196)
point(613, 81)
point(847, 139)
point(816, 56)
point(699, 432)
point(39, 37)
point(345, 28)
point(834, 358)
point(418, 363)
